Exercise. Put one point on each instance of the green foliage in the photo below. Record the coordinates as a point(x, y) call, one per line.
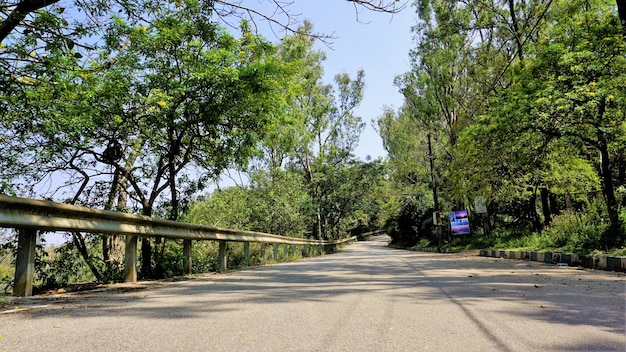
point(423, 243)
point(7, 270)
point(347, 197)
point(406, 146)
point(412, 224)
point(571, 231)
point(524, 105)
point(501, 237)
point(280, 202)
point(274, 203)
point(143, 102)
point(225, 208)
point(204, 256)
point(62, 267)
point(579, 232)
point(171, 259)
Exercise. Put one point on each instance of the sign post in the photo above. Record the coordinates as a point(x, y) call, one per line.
point(481, 208)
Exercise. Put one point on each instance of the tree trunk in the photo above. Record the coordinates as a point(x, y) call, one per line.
point(621, 10)
point(516, 34)
point(612, 238)
point(620, 164)
point(81, 246)
point(106, 243)
point(159, 242)
point(536, 219)
point(554, 204)
point(146, 250)
point(545, 205)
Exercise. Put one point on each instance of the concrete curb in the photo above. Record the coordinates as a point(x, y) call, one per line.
point(595, 262)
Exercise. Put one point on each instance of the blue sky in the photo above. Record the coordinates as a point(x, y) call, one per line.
point(378, 43)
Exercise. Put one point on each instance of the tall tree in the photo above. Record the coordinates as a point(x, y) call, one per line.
point(322, 134)
point(572, 90)
point(209, 98)
point(179, 94)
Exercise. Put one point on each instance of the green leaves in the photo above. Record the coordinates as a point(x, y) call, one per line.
point(526, 100)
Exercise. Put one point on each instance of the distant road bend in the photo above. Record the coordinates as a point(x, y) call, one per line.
point(367, 297)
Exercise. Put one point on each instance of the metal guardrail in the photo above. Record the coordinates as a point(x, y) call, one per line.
point(30, 216)
point(50, 216)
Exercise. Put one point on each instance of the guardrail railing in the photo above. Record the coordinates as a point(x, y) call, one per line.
point(29, 216)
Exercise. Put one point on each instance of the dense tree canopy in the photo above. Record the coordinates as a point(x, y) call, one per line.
point(137, 105)
point(524, 101)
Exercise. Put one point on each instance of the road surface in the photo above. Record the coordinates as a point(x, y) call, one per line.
point(365, 298)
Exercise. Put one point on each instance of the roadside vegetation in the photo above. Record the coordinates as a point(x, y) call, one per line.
point(144, 111)
point(515, 107)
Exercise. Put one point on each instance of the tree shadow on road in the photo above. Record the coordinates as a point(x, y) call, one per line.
point(532, 290)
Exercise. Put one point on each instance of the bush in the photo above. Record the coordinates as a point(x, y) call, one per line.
point(62, 266)
point(411, 224)
point(577, 232)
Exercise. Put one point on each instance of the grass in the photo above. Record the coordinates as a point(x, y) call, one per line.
point(525, 240)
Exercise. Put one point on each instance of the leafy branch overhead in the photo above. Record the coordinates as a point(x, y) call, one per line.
point(21, 15)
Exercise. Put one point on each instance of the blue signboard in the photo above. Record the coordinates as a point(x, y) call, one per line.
point(459, 222)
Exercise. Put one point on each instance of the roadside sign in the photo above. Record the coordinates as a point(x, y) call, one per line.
point(479, 205)
point(459, 222)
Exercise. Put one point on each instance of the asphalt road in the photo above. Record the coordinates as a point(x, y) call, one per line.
point(365, 298)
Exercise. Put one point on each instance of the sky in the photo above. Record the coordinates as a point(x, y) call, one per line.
point(378, 43)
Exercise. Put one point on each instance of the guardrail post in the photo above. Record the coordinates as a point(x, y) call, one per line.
point(286, 250)
point(246, 252)
point(130, 258)
point(275, 245)
point(262, 256)
point(25, 263)
point(223, 260)
point(187, 261)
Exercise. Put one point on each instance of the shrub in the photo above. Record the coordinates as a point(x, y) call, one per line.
point(578, 232)
point(412, 224)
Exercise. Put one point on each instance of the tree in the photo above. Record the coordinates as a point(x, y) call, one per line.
point(21, 15)
point(179, 94)
point(571, 90)
point(521, 97)
point(276, 204)
point(405, 142)
point(209, 99)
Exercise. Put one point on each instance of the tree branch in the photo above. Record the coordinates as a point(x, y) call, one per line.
point(19, 13)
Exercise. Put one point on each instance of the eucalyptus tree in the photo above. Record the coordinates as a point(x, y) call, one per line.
point(406, 146)
point(327, 134)
point(444, 88)
point(319, 141)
